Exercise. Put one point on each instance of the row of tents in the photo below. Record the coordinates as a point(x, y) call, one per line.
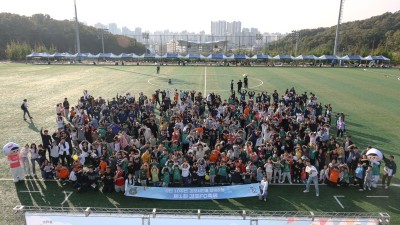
point(125, 56)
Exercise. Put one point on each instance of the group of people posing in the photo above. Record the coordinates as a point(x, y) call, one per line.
point(185, 138)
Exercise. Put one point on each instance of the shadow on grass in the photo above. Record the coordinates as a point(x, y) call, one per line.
point(32, 126)
point(352, 124)
point(366, 137)
point(36, 193)
point(175, 81)
point(131, 72)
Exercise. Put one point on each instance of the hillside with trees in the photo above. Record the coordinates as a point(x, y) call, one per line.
point(22, 35)
point(378, 35)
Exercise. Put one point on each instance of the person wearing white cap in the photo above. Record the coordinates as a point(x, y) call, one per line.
point(11, 150)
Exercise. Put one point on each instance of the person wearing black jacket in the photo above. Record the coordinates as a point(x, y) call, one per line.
point(108, 181)
point(92, 179)
point(390, 170)
point(239, 84)
point(110, 140)
point(46, 140)
point(81, 181)
point(66, 108)
point(236, 176)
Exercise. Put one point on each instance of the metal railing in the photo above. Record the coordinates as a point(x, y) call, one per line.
point(383, 218)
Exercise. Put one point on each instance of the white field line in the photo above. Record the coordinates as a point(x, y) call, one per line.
point(66, 198)
point(377, 196)
point(205, 81)
point(337, 200)
point(29, 191)
point(9, 179)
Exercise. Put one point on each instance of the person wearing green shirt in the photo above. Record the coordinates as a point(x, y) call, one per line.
point(102, 132)
point(212, 174)
point(222, 172)
point(177, 174)
point(313, 154)
point(154, 175)
point(277, 168)
point(286, 171)
point(142, 175)
point(166, 177)
point(185, 142)
point(375, 173)
point(124, 164)
point(174, 147)
point(164, 157)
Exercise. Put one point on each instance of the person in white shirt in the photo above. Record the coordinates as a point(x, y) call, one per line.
point(185, 167)
point(312, 177)
point(263, 189)
point(64, 152)
point(54, 153)
point(25, 160)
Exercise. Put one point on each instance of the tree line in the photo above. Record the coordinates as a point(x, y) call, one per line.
point(21, 35)
point(378, 35)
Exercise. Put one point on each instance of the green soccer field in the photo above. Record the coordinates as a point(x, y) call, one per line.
point(369, 98)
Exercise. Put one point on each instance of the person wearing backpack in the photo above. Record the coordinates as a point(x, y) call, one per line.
point(24, 107)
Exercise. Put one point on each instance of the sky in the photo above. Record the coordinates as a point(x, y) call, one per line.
point(195, 16)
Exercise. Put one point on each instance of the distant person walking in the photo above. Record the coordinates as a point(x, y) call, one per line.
point(24, 107)
point(246, 81)
point(232, 86)
point(158, 69)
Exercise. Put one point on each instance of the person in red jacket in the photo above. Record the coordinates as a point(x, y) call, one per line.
point(119, 180)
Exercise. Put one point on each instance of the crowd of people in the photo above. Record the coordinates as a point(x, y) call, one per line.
point(182, 138)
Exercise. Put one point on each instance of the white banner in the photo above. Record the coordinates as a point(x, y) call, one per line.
point(124, 219)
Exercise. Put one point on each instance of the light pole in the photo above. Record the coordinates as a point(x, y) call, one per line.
point(146, 36)
point(102, 30)
point(338, 27)
point(295, 38)
point(78, 43)
point(259, 38)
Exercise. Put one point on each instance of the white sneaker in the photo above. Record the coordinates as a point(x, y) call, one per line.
point(369, 189)
point(265, 199)
point(386, 187)
point(290, 182)
point(305, 191)
point(317, 195)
